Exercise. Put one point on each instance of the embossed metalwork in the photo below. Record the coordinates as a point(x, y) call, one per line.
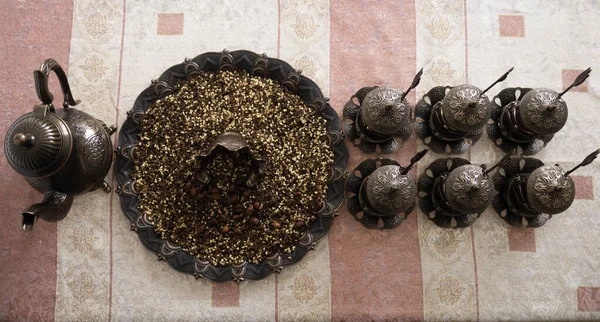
point(430, 136)
point(525, 118)
point(505, 130)
point(465, 108)
point(445, 181)
point(549, 190)
point(384, 111)
point(511, 203)
point(361, 201)
point(468, 189)
point(38, 144)
point(388, 190)
point(542, 112)
point(259, 65)
point(61, 152)
point(378, 119)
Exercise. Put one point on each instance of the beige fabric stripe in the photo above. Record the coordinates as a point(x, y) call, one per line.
point(304, 290)
point(449, 284)
point(83, 268)
point(143, 288)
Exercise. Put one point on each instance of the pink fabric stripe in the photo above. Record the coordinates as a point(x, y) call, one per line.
point(521, 240)
point(31, 33)
point(225, 294)
point(584, 187)
point(170, 24)
point(374, 275)
point(588, 299)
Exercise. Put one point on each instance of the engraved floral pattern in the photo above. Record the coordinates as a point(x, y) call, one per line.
point(449, 290)
point(94, 68)
point(304, 288)
point(82, 287)
point(552, 188)
point(459, 106)
point(472, 188)
point(386, 108)
point(96, 25)
point(386, 181)
point(545, 109)
point(305, 26)
point(439, 28)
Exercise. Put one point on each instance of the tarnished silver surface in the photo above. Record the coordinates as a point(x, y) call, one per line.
point(542, 112)
point(549, 191)
point(38, 144)
point(366, 139)
point(468, 189)
point(465, 109)
point(384, 111)
point(61, 152)
point(389, 191)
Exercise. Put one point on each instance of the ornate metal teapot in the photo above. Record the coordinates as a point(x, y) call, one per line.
point(60, 152)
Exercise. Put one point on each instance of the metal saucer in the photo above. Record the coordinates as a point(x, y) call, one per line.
point(503, 98)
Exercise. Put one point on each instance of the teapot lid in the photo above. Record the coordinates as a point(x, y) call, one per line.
point(549, 190)
point(38, 144)
point(542, 111)
point(390, 191)
point(465, 109)
point(385, 111)
point(468, 189)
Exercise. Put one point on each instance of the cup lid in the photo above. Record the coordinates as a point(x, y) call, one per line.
point(468, 189)
point(390, 191)
point(542, 112)
point(384, 110)
point(549, 190)
point(465, 109)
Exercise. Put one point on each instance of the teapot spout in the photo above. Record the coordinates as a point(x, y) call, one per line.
point(54, 207)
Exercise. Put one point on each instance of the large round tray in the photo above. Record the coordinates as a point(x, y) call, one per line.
point(291, 80)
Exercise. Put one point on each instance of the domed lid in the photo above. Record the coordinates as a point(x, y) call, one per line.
point(549, 190)
point(384, 110)
point(390, 191)
point(465, 109)
point(542, 111)
point(38, 144)
point(468, 189)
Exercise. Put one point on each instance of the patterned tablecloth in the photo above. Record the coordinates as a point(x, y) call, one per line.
point(92, 267)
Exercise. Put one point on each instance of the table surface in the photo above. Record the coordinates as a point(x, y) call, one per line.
point(92, 267)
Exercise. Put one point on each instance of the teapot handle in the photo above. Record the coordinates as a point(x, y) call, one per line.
point(40, 77)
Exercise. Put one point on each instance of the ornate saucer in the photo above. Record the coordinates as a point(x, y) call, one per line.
point(424, 131)
point(500, 101)
point(426, 183)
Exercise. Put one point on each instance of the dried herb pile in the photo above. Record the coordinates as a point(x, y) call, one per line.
point(225, 221)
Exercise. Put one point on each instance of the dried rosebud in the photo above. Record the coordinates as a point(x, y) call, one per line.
point(299, 224)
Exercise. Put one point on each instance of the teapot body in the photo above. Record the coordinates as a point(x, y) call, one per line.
point(90, 159)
